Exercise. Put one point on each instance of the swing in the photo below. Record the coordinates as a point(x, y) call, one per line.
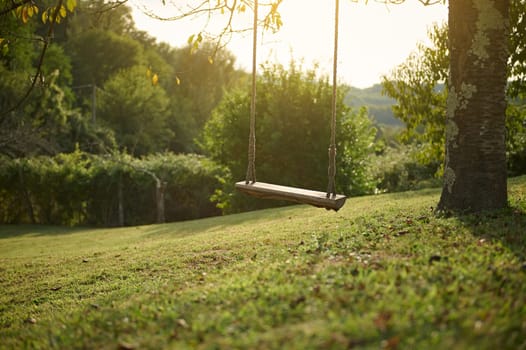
point(328, 200)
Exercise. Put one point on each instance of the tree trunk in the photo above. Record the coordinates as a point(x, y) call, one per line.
point(475, 174)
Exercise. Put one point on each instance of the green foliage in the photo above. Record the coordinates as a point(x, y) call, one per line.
point(97, 55)
point(356, 144)
point(292, 133)
point(104, 16)
point(160, 106)
point(396, 169)
point(197, 87)
point(136, 110)
point(420, 97)
point(516, 136)
point(382, 274)
point(58, 60)
point(517, 74)
point(78, 188)
point(16, 53)
point(419, 86)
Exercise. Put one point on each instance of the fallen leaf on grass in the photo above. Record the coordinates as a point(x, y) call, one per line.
point(30, 320)
point(182, 323)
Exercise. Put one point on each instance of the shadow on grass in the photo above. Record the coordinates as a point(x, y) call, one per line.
point(507, 226)
point(180, 228)
point(186, 228)
point(10, 231)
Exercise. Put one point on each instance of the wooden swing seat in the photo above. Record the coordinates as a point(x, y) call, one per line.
point(293, 194)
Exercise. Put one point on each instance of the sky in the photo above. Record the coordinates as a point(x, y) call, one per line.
point(373, 38)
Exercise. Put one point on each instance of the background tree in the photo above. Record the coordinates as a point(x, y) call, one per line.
point(136, 110)
point(201, 84)
point(419, 86)
point(98, 54)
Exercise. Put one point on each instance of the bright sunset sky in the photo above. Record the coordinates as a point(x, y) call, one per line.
point(374, 38)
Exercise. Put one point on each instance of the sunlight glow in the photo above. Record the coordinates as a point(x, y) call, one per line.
point(374, 37)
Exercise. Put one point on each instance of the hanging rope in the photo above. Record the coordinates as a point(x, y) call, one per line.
point(251, 171)
point(331, 188)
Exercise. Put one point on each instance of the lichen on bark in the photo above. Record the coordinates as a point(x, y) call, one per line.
point(466, 93)
point(489, 18)
point(449, 178)
point(457, 101)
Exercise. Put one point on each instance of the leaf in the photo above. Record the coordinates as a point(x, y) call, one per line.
point(45, 16)
point(24, 15)
point(182, 323)
point(210, 60)
point(71, 4)
point(155, 79)
point(63, 11)
point(30, 320)
point(177, 80)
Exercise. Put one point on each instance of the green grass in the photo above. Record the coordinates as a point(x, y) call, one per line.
point(384, 272)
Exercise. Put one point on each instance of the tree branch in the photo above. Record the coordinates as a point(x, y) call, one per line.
point(47, 41)
point(14, 6)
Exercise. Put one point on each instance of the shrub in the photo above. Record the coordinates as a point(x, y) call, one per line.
point(397, 169)
point(78, 188)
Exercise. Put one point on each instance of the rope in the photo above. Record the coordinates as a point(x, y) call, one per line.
point(251, 171)
point(331, 188)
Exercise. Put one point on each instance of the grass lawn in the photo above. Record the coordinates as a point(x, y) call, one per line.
point(382, 273)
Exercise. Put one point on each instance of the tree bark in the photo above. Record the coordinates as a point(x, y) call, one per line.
point(475, 174)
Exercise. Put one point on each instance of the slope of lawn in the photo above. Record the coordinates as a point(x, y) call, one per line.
point(383, 272)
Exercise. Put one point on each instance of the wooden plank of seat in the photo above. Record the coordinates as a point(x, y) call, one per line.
point(293, 194)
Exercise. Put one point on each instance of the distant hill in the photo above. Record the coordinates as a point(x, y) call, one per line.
point(379, 105)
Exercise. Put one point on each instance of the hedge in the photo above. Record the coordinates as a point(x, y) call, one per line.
point(84, 189)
